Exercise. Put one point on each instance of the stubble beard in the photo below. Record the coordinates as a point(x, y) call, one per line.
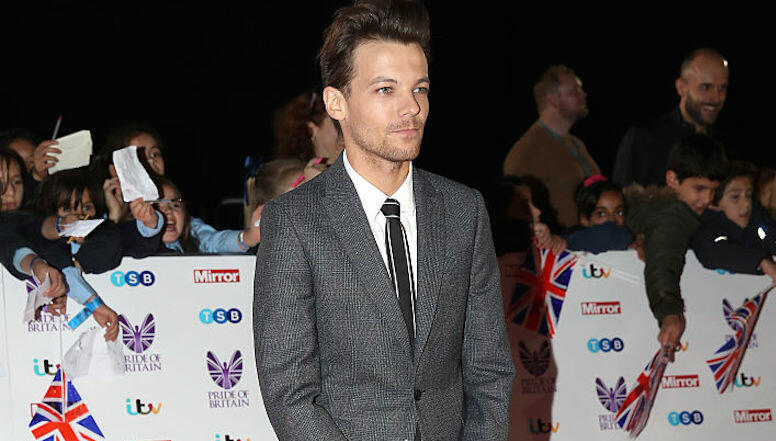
point(384, 148)
point(693, 109)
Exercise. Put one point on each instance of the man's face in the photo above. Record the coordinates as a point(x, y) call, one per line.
point(736, 201)
point(572, 103)
point(696, 192)
point(387, 107)
point(703, 89)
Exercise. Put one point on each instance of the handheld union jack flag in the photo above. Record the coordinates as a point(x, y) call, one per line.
point(541, 289)
point(634, 411)
point(725, 362)
point(63, 416)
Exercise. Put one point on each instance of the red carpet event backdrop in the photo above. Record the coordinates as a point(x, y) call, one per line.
point(190, 367)
point(186, 331)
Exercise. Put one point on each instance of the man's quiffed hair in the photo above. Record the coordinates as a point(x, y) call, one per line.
point(698, 156)
point(548, 83)
point(403, 21)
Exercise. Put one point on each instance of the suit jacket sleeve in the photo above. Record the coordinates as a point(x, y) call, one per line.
point(285, 333)
point(10, 241)
point(624, 161)
point(486, 361)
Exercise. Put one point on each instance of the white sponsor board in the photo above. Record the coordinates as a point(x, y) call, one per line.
point(177, 323)
point(606, 332)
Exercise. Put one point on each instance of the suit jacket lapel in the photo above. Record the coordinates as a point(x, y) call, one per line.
point(351, 226)
point(430, 217)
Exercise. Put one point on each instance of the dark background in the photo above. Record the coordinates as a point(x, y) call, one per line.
point(209, 77)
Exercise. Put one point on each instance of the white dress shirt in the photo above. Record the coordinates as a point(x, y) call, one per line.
point(372, 199)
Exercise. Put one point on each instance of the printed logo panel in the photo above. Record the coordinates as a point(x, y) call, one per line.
point(601, 308)
point(753, 416)
point(216, 276)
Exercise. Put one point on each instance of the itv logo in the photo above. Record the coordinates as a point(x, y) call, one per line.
point(227, 437)
point(744, 381)
point(542, 427)
point(48, 368)
point(594, 272)
point(140, 407)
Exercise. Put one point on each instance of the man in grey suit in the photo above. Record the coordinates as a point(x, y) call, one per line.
point(378, 311)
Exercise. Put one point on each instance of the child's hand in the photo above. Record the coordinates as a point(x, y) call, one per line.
point(107, 318)
point(638, 245)
point(43, 160)
point(252, 233)
point(671, 330)
point(769, 268)
point(114, 200)
point(544, 239)
point(144, 212)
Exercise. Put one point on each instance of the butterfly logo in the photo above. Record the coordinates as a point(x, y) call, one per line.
point(611, 397)
point(137, 339)
point(226, 375)
point(535, 362)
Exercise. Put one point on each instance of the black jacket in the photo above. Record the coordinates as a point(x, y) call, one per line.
point(721, 244)
point(135, 244)
point(11, 239)
point(643, 153)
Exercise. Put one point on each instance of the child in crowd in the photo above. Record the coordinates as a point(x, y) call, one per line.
point(151, 148)
point(303, 130)
point(66, 197)
point(601, 212)
point(272, 179)
point(736, 234)
point(668, 218)
point(12, 179)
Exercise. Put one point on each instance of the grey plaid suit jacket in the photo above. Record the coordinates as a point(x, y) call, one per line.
point(332, 348)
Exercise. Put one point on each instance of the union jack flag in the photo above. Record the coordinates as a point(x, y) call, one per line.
point(725, 362)
point(63, 416)
point(541, 289)
point(634, 411)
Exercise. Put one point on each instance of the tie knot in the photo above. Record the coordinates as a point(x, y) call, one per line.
point(390, 208)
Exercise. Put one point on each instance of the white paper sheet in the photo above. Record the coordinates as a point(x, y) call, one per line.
point(36, 299)
point(80, 228)
point(93, 356)
point(135, 181)
point(76, 151)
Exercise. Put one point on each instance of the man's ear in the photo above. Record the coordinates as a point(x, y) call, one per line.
point(672, 180)
point(681, 87)
point(336, 105)
point(551, 99)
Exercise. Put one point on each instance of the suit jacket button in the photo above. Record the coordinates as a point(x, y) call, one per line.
point(418, 393)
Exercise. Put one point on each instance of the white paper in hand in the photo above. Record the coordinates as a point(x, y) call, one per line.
point(135, 182)
point(76, 151)
point(80, 228)
point(93, 356)
point(35, 298)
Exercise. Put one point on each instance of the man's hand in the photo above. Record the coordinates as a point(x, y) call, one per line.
point(43, 160)
point(671, 331)
point(252, 233)
point(58, 286)
point(107, 317)
point(144, 212)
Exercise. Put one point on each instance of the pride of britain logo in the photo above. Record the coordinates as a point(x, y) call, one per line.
point(47, 322)
point(611, 398)
point(536, 363)
point(226, 375)
point(139, 339)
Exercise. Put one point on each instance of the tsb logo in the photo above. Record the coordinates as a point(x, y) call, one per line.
point(601, 308)
point(605, 345)
point(753, 416)
point(132, 278)
point(220, 316)
point(685, 418)
point(216, 276)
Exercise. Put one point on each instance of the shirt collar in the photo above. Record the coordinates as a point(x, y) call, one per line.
point(372, 198)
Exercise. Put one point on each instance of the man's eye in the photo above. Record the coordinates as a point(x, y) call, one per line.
point(423, 90)
point(384, 90)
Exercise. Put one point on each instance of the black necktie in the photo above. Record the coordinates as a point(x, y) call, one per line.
point(399, 265)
